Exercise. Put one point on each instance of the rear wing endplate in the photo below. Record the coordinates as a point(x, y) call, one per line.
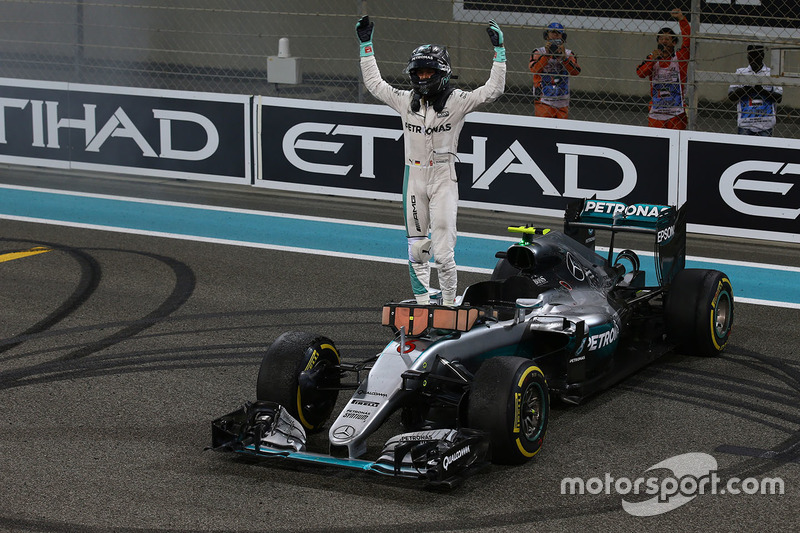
point(666, 223)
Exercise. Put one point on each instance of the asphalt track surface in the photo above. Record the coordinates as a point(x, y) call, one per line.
point(117, 350)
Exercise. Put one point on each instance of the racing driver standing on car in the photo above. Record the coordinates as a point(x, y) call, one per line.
point(433, 116)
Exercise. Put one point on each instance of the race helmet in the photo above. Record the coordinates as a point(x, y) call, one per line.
point(555, 26)
point(433, 56)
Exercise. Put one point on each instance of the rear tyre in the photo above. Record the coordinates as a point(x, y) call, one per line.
point(699, 311)
point(509, 400)
point(299, 372)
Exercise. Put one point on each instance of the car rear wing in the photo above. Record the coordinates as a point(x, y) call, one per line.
point(666, 223)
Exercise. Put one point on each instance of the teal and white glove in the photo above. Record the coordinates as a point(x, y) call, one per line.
point(496, 35)
point(364, 30)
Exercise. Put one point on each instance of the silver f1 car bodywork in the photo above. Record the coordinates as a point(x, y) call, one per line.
point(474, 382)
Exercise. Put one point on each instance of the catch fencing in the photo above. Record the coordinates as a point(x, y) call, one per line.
point(230, 46)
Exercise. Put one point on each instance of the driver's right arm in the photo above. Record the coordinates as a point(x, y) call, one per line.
point(377, 86)
point(369, 69)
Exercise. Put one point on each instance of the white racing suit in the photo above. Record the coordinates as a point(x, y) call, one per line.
point(430, 188)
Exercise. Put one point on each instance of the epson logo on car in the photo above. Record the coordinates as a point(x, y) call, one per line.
point(601, 340)
point(665, 235)
point(455, 456)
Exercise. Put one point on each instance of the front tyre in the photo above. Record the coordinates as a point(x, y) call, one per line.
point(299, 372)
point(699, 311)
point(509, 400)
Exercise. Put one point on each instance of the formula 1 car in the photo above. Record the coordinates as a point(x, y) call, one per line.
point(473, 383)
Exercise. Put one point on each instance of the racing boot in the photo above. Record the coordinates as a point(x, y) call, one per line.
point(420, 274)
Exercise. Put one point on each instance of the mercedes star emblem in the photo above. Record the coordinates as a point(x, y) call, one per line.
point(344, 432)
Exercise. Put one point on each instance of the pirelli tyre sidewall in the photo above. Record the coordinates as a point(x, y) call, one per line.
point(293, 370)
point(509, 400)
point(699, 311)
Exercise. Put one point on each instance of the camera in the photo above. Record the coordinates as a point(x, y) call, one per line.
point(553, 46)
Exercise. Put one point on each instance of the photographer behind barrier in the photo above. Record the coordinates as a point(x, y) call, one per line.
point(755, 103)
point(552, 65)
point(666, 69)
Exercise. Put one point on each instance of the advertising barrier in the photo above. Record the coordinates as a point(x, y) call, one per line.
point(523, 164)
point(742, 186)
point(734, 185)
point(134, 131)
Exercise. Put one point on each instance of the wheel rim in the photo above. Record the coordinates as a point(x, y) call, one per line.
point(531, 415)
point(722, 315)
point(314, 406)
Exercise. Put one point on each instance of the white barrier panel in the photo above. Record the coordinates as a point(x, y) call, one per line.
point(148, 132)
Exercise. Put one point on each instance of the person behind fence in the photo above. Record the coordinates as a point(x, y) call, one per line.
point(755, 103)
point(433, 115)
point(666, 69)
point(552, 65)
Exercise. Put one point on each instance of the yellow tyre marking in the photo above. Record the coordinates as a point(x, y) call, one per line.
point(522, 449)
point(524, 375)
point(524, 452)
point(20, 255)
point(311, 362)
point(331, 348)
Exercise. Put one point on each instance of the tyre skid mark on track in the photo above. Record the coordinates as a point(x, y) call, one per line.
point(88, 283)
point(780, 366)
point(65, 367)
point(185, 283)
point(604, 505)
point(690, 396)
point(732, 385)
point(198, 317)
point(712, 380)
point(784, 451)
point(790, 456)
point(749, 468)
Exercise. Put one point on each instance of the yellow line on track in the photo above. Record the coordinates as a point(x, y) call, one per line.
point(27, 253)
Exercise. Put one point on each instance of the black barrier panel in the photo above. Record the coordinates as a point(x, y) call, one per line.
point(741, 186)
point(515, 165)
point(339, 149)
point(154, 134)
point(543, 168)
